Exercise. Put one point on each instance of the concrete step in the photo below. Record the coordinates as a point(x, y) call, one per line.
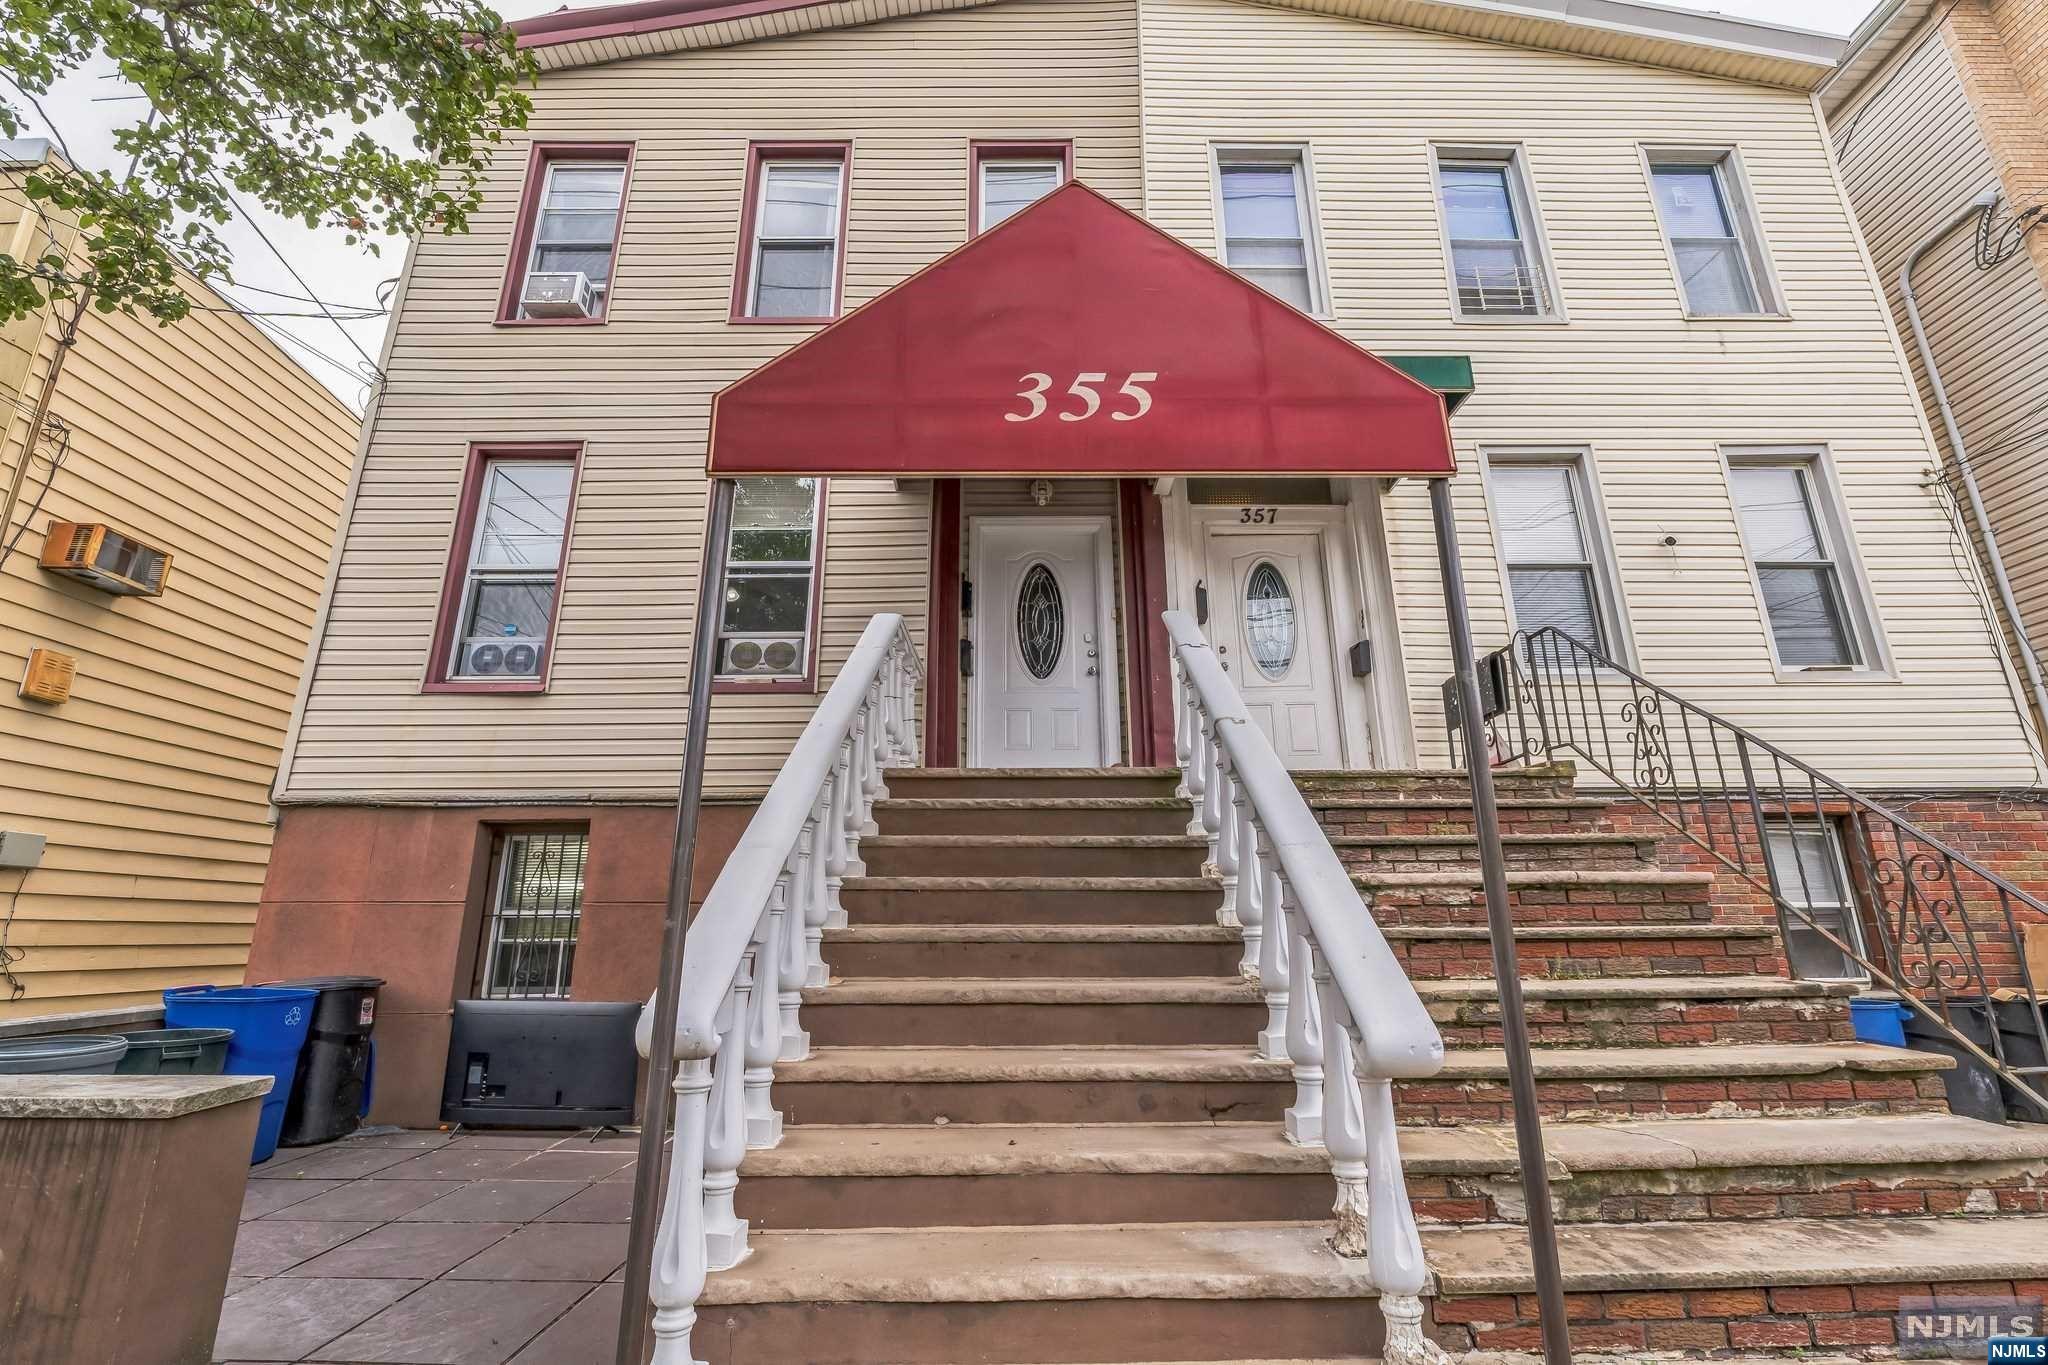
point(1586, 849)
point(1337, 784)
point(1035, 815)
point(1184, 1292)
point(1783, 1283)
point(1396, 815)
point(1646, 1012)
point(1124, 1084)
point(1640, 1171)
point(1016, 783)
point(1545, 896)
point(1014, 950)
point(1049, 1011)
point(876, 900)
point(1579, 951)
point(1033, 855)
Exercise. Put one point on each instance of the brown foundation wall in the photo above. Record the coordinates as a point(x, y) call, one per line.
point(399, 893)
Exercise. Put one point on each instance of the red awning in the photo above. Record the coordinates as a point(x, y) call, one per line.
point(1077, 339)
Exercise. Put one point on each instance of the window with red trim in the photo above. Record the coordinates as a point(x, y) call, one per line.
point(1008, 176)
point(568, 226)
point(792, 256)
point(499, 603)
point(767, 631)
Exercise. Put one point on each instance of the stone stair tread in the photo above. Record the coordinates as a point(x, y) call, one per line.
point(1053, 1262)
point(1033, 774)
point(1195, 1063)
point(1035, 990)
point(1016, 883)
point(1506, 801)
point(1372, 879)
point(1731, 986)
point(1537, 839)
point(1590, 932)
point(993, 803)
point(885, 1150)
point(911, 841)
point(1032, 933)
point(1746, 1253)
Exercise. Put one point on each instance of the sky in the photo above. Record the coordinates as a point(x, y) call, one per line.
point(90, 104)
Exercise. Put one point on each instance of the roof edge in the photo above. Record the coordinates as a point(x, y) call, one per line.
point(1876, 41)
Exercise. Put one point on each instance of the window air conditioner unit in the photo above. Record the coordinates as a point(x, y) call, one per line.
point(100, 556)
point(767, 655)
point(565, 294)
point(501, 656)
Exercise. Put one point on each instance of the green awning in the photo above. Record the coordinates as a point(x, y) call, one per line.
point(1449, 375)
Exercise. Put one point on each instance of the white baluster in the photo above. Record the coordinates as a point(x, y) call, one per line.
point(1212, 788)
point(1343, 1116)
point(1250, 911)
point(725, 1135)
point(1304, 1033)
point(869, 729)
point(676, 1278)
point(792, 955)
point(1395, 1259)
point(1183, 705)
point(816, 837)
point(1274, 957)
point(1223, 845)
point(764, 1023)
point(1195, 769)
point(837, 855)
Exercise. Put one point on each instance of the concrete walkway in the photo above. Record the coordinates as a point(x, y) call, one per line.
point(422, 1248)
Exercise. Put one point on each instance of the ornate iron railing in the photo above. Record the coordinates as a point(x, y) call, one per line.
point(1833, 863)
point(1339, 1007)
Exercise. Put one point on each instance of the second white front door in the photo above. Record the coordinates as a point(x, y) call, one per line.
point(1043, 692)
point(1268, 601)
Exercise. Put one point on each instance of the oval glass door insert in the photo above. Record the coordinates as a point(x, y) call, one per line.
point(1269, 625)
point(1041, 621)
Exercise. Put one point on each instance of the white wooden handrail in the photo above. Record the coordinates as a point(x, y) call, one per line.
point(750, 951)
point(1326, 973)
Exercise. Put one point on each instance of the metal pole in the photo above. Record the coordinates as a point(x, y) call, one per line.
point(661, 1046)
point(1493, 866)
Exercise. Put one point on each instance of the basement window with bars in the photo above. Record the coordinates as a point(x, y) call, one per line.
point(536, 910)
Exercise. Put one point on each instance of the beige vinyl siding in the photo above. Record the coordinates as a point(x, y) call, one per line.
point(151, 784)
point(1912, 155)
point(1652, 396)
point(909, 95)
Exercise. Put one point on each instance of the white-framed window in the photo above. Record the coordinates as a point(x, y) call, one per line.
point(506, 604)
point(1811, 874)
point(536, 913)
point(1499, 268)
point(793, 270)
point(771, 580)
point(1553, 546)
point(1268, 222)
point(1006, 183)
point(577, 227)
point(1795, 533)
point(1710, 226)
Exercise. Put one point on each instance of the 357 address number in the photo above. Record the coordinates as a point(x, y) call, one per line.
point(1083, 390)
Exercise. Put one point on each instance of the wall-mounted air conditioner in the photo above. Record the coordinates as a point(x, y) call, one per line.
point(761, 655)
point(559, 294)
point(501, 656)
point(106, 559)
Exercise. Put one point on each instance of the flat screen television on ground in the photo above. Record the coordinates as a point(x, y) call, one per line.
point(541, 1063)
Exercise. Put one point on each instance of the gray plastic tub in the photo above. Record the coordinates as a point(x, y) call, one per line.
point(62, 1054)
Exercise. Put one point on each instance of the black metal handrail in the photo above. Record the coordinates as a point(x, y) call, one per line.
point(1948, 928)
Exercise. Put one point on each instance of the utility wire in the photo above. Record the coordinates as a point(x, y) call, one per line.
point(294, 272)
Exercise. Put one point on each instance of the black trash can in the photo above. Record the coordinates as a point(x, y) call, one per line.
point(331, 1090)
point(175, 1052)
point(1973, 1088)
point(2022, 1039)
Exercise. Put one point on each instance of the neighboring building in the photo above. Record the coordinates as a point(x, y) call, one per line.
point(1935, 106)
point(217, 466)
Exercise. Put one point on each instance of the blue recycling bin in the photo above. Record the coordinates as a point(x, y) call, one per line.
point(1879, 1019)
point(270, 1024)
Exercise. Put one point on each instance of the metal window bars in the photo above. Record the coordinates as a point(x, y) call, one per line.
point(1500, 290)
point(1943, 931)
point(536, 912)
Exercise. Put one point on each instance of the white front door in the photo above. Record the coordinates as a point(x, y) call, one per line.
point(1043, 692)
point(1268, 599)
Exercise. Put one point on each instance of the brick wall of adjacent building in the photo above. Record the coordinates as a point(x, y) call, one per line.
point(2001, 50)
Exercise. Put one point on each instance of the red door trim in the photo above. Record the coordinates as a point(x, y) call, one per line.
point(1149, 667)
point(942, 667)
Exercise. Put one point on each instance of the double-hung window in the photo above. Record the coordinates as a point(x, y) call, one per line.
point(791, 262)
point(502, 606)
point(1011, 177)
point(536, 913)
point(1715, 243)
point(771, 580)
point(1268, 222)
point(1812, 877)
point(1497, 264)
point(568, 226)
point(1792, 531)
point(1555, 571)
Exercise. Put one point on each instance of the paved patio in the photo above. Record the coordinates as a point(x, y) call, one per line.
point(422, 1248)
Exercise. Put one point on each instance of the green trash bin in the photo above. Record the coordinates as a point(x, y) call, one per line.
point(175, 1052)
point(62, 1054)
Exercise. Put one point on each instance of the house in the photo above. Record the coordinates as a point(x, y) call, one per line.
point(1090, 370)
point(1941, 131)
point(167, 505)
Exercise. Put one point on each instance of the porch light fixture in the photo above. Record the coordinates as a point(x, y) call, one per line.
point(1041, 492)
